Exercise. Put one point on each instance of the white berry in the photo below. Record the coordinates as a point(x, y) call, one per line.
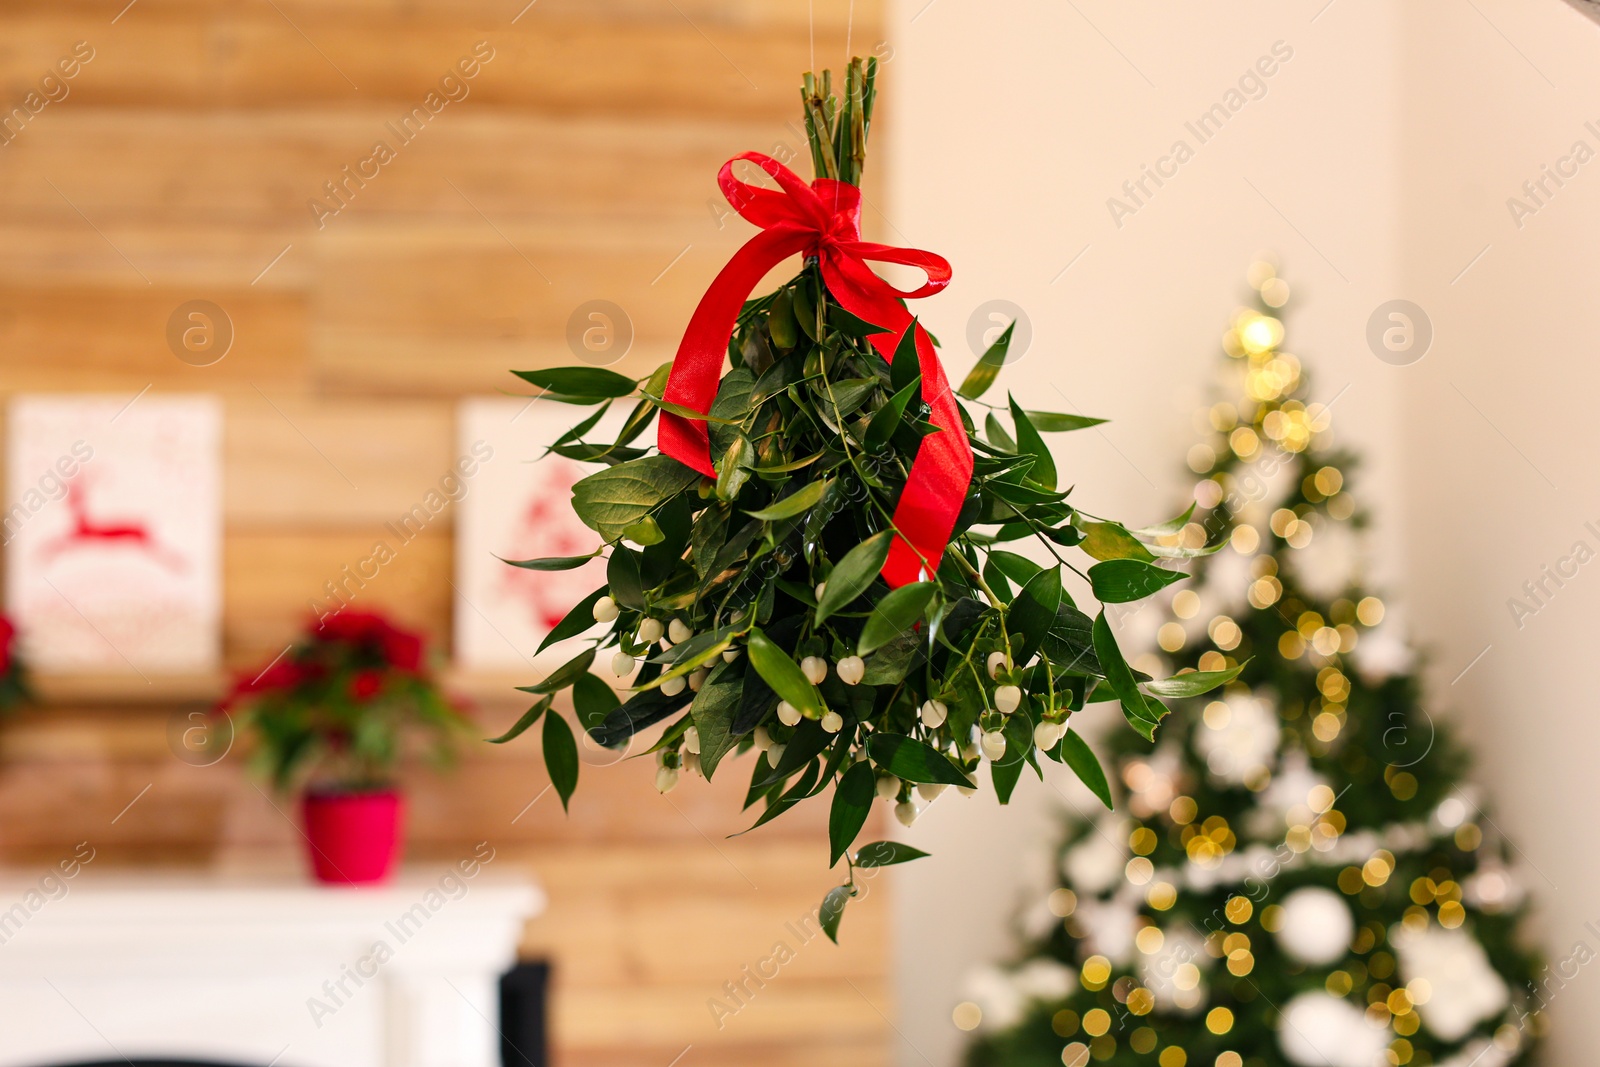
point(650, 631)
point(851, 670)
point(691, 740)
point(697, 678)
point(888, 786)
point(666, 778)
point(730, 655)
point(966, 790)
point(788, 714)
point(821, 586)
point(815, 668)
point(934, 713)
point(1048, 734)
point(673, 686)
point(832, 722)
point(906, 812)
point(775, 754)
point(679, 631)
point(761, 739)
point(605, 610)
point(930, 791)
point(621, 664)
point(996, 661)
point(691, 764)
point(1007, 698)
point(993, 744)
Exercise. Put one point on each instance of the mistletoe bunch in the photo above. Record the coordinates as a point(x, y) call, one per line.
point(341, 702)
point(748, 612)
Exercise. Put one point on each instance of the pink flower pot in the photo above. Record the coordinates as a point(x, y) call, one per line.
point(353, 838)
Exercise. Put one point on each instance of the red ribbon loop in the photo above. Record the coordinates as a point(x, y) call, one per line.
point(823, 219)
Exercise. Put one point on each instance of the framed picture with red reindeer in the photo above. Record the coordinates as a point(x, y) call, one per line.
point(515, 509)
point(113, 531)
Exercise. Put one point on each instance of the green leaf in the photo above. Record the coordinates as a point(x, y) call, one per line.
point(611, 500)
point(579, 381)
point(1192, 683)
point(560, 756)
point(1142, 712)
point(854, 574)
point(1033, 613)
point(698, 651)
point(1165, 529)
point(797, 503)
point(905, 369)
point(592, 701)
point(852, 802)
point(782, 673)
point(552, 563)
point(575, 622)
point(1030, 443)
point(894, 615)
point(886, 854)
point(832, 910)
point(1121, 581)
point(622, 578)
point(891, 663)
point(529, 717)
point(563, 675)
point(996, 434)
point(645, 532)
point(1055, 422)
point(844, 397)
point(734, 470)
point(713, 711)
point(781, 323)
point(887, 418)
point(1077, 754)
point(983, 375)
point(910, 759)
point(1111, 540)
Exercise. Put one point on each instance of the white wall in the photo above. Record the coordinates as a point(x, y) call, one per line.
point(1013, 124)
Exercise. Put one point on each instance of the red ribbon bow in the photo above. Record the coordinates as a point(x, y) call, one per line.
point(823, 219)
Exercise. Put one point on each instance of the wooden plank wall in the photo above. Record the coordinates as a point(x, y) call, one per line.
point(179, 166)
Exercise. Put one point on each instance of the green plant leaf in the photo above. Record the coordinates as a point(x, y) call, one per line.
point(1165, 529)
point(1077, 754)
point(698, 651)
point(1122, 581)
point(1033, 613)
point(852, 802)
point(1193, 683)
point(905, 369)
point(1111, 540)
point(645, 532)
point(594, 382)
point(614, 499)
point(892, 616)
point(832, 910)
point(1019, 569)
point(592, 700)
point(623, 579)
point(552, 563)
point(854, 574)
point(796, 503)
point(886, 854)
point(1055, 422)
point(520, 727)
point(781, 323)
point(1030, 443)
point(734, 470)
point(1142, 712)
point(574, 622)
point(910, 759)
point(782, 673)
point(563, 675)
point(887, 418)
point(996, 434)
point(688, 412)
point(560, 756)
point(988, 367)
point(713, 710)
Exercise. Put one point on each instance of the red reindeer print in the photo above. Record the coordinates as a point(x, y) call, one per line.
point(87, 533)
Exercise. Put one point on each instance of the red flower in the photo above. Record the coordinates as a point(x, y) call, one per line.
point(403, 650)
point(354, 627)
point(7, 633)
point(366, 685)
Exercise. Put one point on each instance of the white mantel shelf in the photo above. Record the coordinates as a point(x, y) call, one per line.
point(247, 969)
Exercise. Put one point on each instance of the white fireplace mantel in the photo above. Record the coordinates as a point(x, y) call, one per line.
point(257, 971)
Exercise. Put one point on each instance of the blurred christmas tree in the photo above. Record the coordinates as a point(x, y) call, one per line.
point(1296, 873)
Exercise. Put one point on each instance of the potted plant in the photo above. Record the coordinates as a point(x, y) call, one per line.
point(335, 713)
point(13, 676)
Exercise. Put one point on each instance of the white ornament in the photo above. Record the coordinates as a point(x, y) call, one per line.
point(906, 812)
point(678, 631)
point(666, 778)
point(1316, 926)
point(993, 745)
point(691, 740)
point(996, 661)
point(1007, 699)
point(788, 714)
point(851, 670)
point(815, 668)
point(934, 713)
point(673, 686)
point(1243, 742)
point(650, 631)
point(1466, 987)
point(605, 610)
point(832, 722)
point(1322, 1030)
point(621, 664)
